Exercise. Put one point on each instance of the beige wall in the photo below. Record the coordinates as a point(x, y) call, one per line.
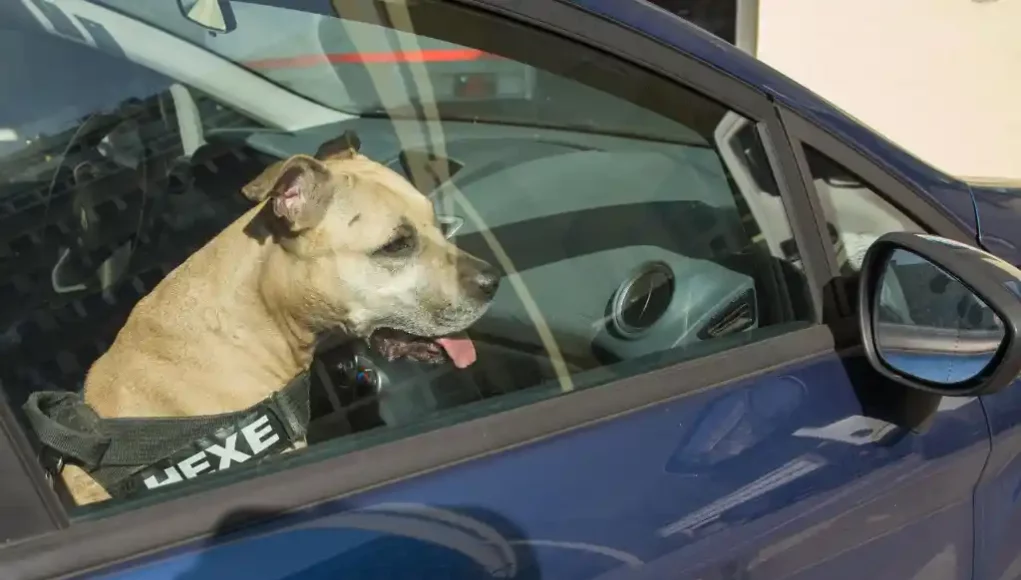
point(940, 77)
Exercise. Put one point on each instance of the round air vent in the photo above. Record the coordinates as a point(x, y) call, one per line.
point(642, 299)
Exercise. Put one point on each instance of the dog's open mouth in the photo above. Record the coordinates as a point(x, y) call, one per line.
point(396, 344)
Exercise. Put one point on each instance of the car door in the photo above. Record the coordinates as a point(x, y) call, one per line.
point(997, 550)
point(726, 427)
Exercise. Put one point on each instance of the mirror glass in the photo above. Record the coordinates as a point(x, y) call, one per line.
point(214, 15)
point(928, 325)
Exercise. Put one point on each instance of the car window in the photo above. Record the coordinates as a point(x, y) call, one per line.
point(856, 214)
point(183, 237)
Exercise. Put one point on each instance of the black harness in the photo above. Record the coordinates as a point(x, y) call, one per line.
point(128, 455)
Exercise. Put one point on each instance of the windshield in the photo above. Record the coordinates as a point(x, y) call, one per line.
point(351, 65)
point(336, 62)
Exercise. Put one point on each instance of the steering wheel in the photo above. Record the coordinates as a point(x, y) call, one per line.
point(109, 154)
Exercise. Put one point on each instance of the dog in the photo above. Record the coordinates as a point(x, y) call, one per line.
point(336, 244)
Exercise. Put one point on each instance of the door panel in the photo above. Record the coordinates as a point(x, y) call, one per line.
point(777, 476)
point(998, 496)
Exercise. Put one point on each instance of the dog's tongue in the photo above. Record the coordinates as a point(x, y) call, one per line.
point(460, 349)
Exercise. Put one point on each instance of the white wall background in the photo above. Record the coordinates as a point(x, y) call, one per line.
point(940, 77)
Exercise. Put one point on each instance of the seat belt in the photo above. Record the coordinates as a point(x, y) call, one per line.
point(128, 455)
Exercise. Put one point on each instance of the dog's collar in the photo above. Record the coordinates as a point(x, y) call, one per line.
point(128, 455)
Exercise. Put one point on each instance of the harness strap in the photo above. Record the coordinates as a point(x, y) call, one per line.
point(127, 454)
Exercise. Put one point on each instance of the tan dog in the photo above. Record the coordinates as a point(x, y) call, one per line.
point(336, 244)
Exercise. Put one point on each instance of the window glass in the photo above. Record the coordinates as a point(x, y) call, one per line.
point(186, 231)
point(856, 215)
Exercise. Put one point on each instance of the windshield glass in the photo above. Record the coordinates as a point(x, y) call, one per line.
point(334, 60)
point(302, 51)
point(332, 53)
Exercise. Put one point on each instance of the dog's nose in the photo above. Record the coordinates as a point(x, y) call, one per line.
point(487, 280)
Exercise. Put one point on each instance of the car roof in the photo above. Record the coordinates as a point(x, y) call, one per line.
point(727, 58)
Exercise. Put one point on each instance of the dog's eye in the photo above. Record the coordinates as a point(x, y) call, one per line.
point(398, 245)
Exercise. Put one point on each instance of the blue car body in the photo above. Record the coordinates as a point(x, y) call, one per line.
point(700, 487)
point(780, 475)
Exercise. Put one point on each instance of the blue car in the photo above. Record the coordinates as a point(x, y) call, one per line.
point(738, 334)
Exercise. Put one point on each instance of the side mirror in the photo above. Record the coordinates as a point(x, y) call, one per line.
point(939, 315)
point(215, 15)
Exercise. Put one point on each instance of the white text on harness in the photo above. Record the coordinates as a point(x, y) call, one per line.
point(258, 435)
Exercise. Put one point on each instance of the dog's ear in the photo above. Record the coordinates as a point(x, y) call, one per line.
point(298, 188)
point(343, 147)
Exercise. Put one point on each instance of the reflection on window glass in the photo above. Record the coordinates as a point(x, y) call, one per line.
point(359, 236)
point(856, 215)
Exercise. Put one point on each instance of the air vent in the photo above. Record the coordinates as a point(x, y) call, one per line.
point(739, 315)
point(642, 299)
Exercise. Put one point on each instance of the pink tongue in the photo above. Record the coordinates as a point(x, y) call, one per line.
point(460, 349)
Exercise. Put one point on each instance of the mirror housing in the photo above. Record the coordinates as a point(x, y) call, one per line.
point(214, 15)
point(939, 315)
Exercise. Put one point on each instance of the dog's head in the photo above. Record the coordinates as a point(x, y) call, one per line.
point(363, 253)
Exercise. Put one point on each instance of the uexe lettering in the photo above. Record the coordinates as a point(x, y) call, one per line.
point(259, 436)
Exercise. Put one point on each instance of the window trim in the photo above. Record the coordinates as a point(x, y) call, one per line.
point(897, 191)
point(95, 543)
point(801, 213)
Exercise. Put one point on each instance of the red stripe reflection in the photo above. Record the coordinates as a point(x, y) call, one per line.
point(435, 55)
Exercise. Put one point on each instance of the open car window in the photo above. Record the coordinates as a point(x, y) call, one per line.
point(586, 221)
